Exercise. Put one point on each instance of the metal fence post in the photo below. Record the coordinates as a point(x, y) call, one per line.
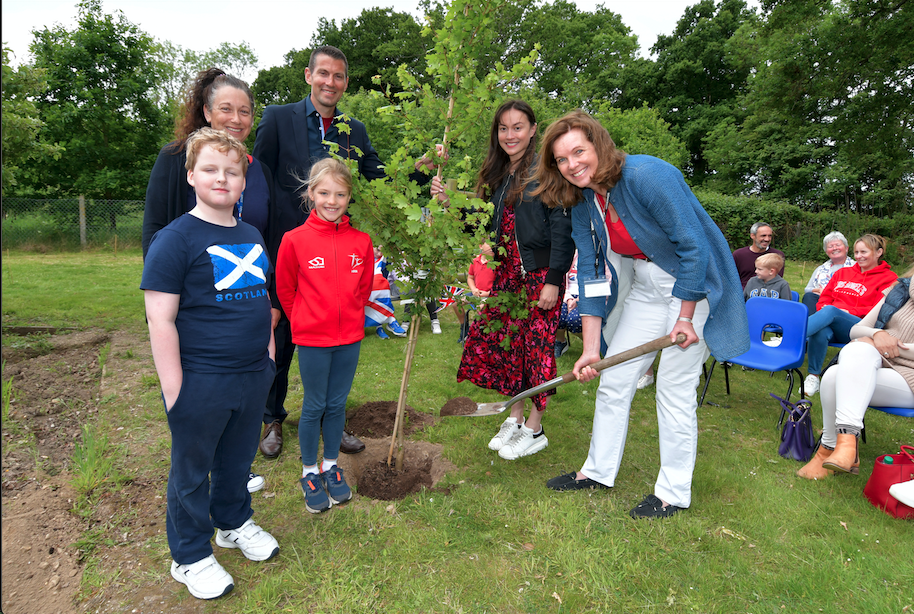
point(82, 220)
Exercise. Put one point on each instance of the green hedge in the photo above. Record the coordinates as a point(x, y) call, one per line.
point(798, 232)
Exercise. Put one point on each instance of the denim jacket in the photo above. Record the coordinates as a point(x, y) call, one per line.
point(669, 225)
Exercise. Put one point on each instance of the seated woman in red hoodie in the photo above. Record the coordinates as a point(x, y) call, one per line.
point(849, 295)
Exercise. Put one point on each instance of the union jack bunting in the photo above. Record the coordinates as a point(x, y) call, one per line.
point(450, 297)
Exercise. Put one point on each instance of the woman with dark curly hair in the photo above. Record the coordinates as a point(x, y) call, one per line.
point(222, 102)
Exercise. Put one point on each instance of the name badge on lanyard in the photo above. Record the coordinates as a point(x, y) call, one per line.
point(600, 286)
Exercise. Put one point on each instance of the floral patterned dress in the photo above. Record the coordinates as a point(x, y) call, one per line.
point(530, 361)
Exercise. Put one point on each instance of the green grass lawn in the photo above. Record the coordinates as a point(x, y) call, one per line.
point(493, 538)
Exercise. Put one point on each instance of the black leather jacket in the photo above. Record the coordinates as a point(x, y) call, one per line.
point(543, 235)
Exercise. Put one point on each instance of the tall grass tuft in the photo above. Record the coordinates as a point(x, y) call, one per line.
point(93, 464)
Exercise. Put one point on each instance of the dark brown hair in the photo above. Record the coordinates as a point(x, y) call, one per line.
point(554, 190)
point(201, 93)
point(331, 52)
point(497, 164)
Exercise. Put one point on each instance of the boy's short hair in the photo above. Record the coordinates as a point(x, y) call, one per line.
point(223, 142)
point(770, 261)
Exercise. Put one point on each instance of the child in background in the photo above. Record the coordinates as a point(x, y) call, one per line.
point(380, 308)
point(767, 282)
point(569, 319)
point(205, 289)
point(323, 280)
point(479, 279)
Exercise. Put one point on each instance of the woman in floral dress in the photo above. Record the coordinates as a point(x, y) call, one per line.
point(533, 252)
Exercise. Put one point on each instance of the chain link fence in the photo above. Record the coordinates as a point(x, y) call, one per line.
point(71, 222)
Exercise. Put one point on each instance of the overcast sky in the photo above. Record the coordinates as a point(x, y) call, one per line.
point(274, 27)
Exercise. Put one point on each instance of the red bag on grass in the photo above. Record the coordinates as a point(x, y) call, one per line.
point(901, 469)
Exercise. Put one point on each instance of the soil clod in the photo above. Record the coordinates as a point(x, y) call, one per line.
point(460, 406)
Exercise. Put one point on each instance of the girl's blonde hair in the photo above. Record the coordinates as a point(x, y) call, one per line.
point(320, 170)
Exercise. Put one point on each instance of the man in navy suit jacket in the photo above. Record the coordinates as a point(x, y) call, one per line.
point(290, 138)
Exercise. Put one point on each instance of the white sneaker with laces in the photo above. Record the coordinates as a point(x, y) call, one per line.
point(255, 543)
point(508, 428)
point(524, 442)
point(205, 579)
point(904, 492)
point(646, 380)
point(436, 327)
point(811, 384)
point(255, 482)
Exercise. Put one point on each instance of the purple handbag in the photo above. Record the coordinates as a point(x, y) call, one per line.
point(797, 439)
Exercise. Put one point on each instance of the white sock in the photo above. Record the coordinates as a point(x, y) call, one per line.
point(306, 471)
point(327, 465)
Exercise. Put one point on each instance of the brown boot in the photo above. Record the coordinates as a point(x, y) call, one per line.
point(844, 459)
point(813, 470)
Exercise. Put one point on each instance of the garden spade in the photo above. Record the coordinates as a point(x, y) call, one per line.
point(489, 409)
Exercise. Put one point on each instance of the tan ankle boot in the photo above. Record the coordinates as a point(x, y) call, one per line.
point(844, 459)
point(813, 470)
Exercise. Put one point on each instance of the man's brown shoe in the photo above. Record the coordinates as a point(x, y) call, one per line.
point(271, 440)
point(351, 444)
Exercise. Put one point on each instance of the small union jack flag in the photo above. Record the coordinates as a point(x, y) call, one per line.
point(450, 297)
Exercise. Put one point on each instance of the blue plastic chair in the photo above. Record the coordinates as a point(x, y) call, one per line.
point(905, 412)
point(764, 314)
point(795, 296)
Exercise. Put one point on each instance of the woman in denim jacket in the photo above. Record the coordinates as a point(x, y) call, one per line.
point(638, 214)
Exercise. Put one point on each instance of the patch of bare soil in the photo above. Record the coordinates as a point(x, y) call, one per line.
point(54, 390)
point(367, 472)
point(423, 465)
point(376, 419)
point(41, 565)
point(459, 406)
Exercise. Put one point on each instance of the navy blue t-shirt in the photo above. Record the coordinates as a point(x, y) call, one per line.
point(221, 274)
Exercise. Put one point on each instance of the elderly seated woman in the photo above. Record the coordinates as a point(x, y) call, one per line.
point(877, 368)
point(835, 246)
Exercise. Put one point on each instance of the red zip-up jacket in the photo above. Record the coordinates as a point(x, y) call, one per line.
point(324, 273)
point(855, 291)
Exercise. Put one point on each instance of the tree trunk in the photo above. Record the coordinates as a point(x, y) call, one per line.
point(396, 439)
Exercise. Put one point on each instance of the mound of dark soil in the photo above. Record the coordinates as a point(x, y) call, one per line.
point(376, 419)
point(460, 406)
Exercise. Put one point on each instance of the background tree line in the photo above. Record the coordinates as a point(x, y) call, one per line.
point(808, 102)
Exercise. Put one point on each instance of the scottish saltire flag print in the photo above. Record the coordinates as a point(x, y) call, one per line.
point(238, 266)
point(380, 309)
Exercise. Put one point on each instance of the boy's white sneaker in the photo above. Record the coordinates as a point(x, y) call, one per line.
point(436, 327)
point(811, 384)
point(523, 442)
point(646, 380)
point(508, 428)
point(205, 579)
point(255, 543)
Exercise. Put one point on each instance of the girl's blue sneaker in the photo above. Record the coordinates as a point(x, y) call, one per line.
point(336, 485)
point(381, 333)
point(316, 500)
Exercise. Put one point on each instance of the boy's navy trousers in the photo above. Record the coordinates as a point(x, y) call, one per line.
point(215, 430)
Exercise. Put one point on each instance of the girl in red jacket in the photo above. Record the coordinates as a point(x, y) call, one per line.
point(324, 273)
point(849, 295)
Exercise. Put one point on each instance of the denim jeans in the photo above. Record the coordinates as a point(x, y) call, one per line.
point(827, 325)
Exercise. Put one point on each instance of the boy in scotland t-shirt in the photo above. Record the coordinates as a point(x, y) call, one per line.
point(205, 282)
